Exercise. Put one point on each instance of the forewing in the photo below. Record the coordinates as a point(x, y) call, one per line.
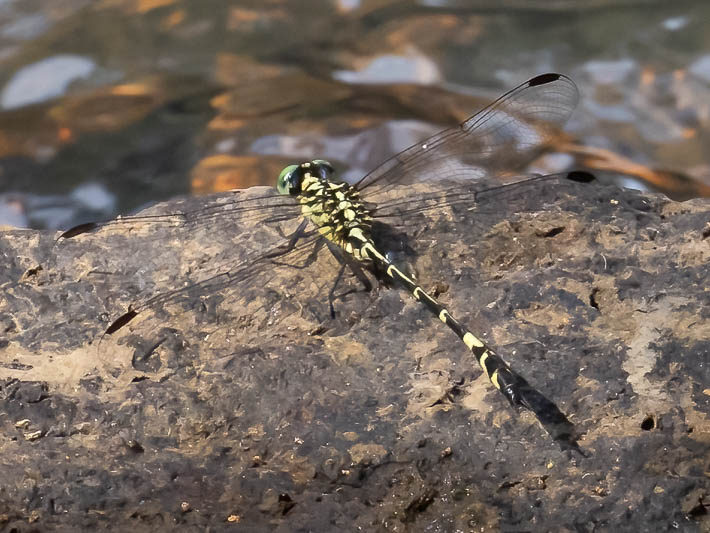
point(265, 206)
point(500, 139)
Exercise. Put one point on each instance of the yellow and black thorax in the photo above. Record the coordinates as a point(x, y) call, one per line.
point(334, 207)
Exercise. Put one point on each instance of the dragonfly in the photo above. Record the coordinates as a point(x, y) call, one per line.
point(483, 155)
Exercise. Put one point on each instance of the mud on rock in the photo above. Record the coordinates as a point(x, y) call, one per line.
point(249, 408)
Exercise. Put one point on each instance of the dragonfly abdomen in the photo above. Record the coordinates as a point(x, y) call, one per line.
point(511, 384)
point(496, 369)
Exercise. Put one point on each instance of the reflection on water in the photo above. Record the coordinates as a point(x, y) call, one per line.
point(46, 79)
point(107, 106)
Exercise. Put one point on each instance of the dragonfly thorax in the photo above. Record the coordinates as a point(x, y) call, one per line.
point(334, 207)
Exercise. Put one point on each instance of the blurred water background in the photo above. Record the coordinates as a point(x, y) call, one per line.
point(109, 105)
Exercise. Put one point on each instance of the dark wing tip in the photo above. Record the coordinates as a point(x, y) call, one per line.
point(542, 79)
point(581, 176)
point(78, 230)
point(120, 322)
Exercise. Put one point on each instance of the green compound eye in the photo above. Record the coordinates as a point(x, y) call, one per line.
point(285, 182)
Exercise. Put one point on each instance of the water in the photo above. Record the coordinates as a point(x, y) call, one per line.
point(109, 106)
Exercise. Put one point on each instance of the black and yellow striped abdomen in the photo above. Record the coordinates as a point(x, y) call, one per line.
point(342, 218)
point(497, 370)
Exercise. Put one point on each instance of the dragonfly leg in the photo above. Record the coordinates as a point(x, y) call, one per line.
point(331, 293)
point(345, 260)
point(293, 239)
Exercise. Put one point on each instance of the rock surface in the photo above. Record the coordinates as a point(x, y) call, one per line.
point(240, 404)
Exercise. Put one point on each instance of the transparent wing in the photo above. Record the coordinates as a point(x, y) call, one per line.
point(251, 268)
point(517, 192)
point(267, 207)
point(225, 242)
point(500, 139)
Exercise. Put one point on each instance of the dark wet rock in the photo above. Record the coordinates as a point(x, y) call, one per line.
point(241, 404)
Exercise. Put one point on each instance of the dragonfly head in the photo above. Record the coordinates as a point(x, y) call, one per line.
point(290, 179)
